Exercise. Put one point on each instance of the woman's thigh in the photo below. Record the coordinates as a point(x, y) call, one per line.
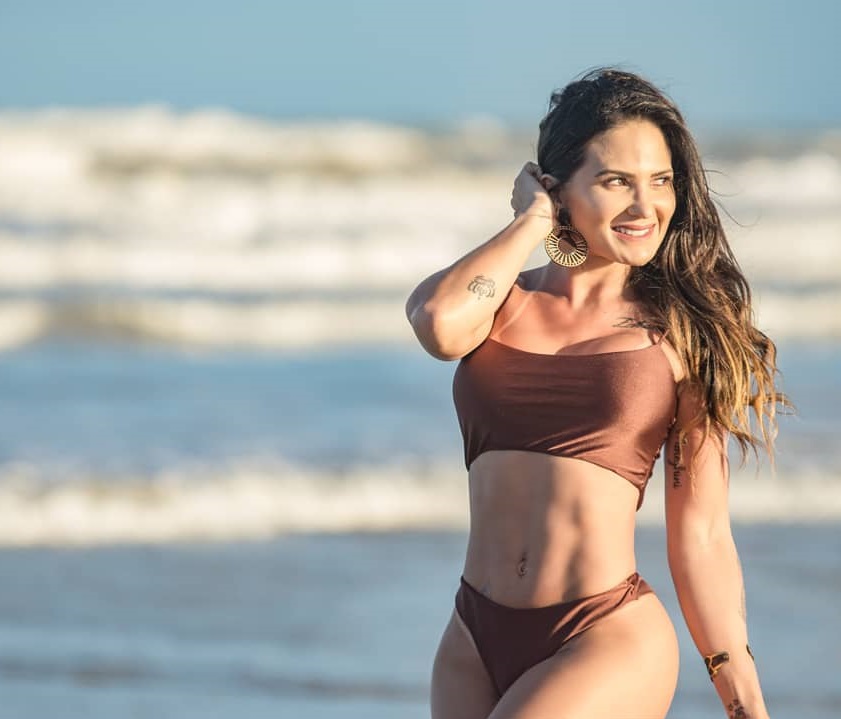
point(461, 688)
point(624, 667)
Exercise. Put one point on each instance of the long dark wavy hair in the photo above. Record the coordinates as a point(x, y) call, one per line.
point(692, 290)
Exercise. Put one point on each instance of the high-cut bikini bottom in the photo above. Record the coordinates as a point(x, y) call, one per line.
point(511, 640)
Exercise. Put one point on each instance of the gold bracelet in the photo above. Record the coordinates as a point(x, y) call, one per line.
point(715, 661)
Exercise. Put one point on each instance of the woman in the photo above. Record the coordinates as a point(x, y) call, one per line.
point(636, 333)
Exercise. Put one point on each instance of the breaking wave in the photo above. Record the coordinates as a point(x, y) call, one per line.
point(255, 502)
point(216, 229)
point(280, 324)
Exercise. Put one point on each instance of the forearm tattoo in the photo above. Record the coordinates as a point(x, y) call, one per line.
point(735, 710)
point(482, 286)
point(676, 465)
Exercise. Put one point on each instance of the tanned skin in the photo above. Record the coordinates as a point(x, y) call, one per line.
point(568, 531)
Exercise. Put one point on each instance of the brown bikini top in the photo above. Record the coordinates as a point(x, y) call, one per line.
point(613, 409)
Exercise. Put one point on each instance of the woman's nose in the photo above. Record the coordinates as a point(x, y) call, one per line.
point(642, 206)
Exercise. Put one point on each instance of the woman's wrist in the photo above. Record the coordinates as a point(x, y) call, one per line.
point(737, 685)
point(541, 222)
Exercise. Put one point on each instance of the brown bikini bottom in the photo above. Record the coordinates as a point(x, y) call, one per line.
point(511, 640)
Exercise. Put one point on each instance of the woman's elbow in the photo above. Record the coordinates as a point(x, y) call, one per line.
point(436, 335)
point(697, 542)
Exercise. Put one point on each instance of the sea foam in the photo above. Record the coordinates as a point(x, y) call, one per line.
point(256, 502)
point(144, 223)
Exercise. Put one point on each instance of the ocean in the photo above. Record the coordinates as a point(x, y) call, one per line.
point(230, 481)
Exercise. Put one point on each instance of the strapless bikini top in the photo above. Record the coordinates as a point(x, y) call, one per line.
point(613, 409)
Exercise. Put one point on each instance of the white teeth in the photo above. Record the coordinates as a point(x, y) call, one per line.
point(632, 232)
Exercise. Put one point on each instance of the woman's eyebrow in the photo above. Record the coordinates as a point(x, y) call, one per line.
point(631, 174)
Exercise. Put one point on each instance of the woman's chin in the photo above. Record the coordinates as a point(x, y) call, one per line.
point(637, 256)
point(633, 254)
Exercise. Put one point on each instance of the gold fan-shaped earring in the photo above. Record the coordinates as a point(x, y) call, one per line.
point(572, 239)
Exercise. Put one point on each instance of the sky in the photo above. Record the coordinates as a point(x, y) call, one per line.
point(730, 65)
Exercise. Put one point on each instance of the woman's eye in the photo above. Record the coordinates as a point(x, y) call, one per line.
point(622, 182)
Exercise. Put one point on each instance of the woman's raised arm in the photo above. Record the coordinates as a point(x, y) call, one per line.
point(452, 311)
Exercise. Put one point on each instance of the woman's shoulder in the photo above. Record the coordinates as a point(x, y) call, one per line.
point(673, 357)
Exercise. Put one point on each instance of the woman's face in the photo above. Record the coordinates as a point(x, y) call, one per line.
point(622, 198)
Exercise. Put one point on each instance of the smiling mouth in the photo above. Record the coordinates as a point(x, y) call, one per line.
point(632, 231)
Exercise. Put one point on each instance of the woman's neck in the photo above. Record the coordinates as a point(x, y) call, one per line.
point(594, 283)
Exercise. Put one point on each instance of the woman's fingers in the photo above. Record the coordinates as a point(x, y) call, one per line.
point(530, 192)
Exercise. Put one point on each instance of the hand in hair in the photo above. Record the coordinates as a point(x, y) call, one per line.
point(530, 196)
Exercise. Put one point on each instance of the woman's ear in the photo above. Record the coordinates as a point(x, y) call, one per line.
point(549, 182)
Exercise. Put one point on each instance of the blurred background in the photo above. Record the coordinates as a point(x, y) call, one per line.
point(230, 481)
